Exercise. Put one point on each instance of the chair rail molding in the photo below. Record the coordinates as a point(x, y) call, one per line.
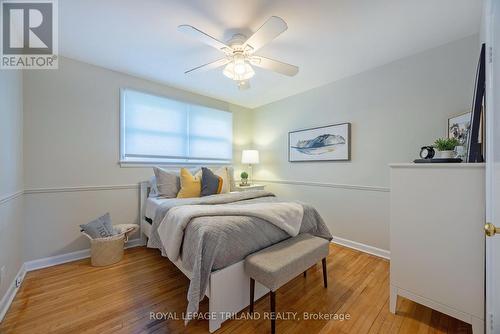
point(11, 197)
point(82, 188)
point(326, 185)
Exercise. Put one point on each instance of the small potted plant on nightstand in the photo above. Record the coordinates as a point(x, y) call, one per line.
point(446, 147)
point(244, 179)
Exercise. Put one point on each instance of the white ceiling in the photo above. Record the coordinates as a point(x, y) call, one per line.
point(327, 39)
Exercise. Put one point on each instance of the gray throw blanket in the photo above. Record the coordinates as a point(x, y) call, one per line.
point(286, 216)
point(215, 242)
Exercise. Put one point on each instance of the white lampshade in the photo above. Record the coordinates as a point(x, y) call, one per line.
point(250, 157)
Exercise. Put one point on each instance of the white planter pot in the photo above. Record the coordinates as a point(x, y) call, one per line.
point(446, 154)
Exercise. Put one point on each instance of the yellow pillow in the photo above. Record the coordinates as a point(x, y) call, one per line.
point(190, 185)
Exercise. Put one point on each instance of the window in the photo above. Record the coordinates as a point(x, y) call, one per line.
point(156, 129)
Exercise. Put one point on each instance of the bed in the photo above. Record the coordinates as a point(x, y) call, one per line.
point(213, 244)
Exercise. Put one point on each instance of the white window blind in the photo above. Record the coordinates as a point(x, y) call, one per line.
point(156, 129)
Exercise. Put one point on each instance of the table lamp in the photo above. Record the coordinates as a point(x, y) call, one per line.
point(250, 157)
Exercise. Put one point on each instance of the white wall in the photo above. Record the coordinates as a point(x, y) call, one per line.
point(394, 110)
point(71, 129)
point(11, 176)
point(71, 142)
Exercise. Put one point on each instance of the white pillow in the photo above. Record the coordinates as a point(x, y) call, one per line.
point(226, 182)
point(230, 172)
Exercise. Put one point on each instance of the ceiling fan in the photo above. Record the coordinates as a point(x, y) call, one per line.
point(240, 52)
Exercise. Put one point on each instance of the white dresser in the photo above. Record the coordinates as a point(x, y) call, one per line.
point(437, 238)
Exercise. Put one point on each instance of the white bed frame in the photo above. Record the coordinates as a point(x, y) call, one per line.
point(228, 288)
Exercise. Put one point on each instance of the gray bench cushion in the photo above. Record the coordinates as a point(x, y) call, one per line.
point(278, 264)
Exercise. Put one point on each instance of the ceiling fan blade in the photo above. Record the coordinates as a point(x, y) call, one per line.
point(274, 65)
point(209, 66)
point(203, 37)
point(243, 84)
point(271, 29)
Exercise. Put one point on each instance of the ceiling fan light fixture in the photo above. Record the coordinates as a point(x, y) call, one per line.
point(240, 51)
point(239, 64)
point(238, 71)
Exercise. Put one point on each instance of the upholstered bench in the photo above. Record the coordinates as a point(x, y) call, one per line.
point(276, 265)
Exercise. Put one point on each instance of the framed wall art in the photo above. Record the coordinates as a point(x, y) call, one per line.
point(325, 143)
point(459, 128)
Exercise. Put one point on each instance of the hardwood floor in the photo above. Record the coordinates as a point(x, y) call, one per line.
point(78, 298)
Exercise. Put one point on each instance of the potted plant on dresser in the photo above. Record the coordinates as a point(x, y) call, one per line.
point(446, 147)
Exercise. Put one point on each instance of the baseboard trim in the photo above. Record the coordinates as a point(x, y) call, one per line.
point(80, 189)
point(327, 185)
point(57, 259)
point(70, 257)
point(11, 197)
point(385, 254)
point(45, 263)
point(11, 293)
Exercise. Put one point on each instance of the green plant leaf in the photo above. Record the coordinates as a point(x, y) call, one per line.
point(446, 144)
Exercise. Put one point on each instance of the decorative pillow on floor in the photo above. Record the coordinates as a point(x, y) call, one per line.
point(211, 184)
point(167, 183)
point(99, 228)
point(190, 185)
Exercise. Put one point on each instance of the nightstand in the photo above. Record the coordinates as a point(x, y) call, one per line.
point(249, 187)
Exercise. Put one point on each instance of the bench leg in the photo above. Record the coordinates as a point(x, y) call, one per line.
point(272, 294)
point(252, 294)
point(325, 278)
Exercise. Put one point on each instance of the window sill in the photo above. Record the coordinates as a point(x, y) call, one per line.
point(150, 164)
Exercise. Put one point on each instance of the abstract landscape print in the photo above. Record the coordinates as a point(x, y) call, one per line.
point(326, 143)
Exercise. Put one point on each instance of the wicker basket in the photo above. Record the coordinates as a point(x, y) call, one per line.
point(107, 251)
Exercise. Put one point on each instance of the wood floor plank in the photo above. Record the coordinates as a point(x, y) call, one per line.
point(78, 298)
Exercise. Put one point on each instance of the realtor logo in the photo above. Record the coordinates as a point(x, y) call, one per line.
point(29, 34)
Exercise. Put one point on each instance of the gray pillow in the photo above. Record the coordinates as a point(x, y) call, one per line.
point(211, 184)
point(168, 184)
point(99, 228)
